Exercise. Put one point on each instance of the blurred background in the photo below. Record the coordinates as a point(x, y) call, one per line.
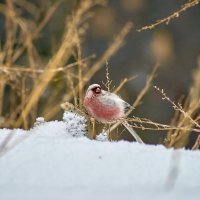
point(176, 46)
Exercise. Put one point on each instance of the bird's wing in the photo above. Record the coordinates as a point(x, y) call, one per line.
point(127, 106)
point(112, 99)
point(108, 99)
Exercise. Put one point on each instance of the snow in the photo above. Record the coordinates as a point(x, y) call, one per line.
point(75, 124)
point(51, 162)
point(103, 137)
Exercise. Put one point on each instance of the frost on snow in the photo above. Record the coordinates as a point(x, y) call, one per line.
point(103, 137)
point(39, 121)
point(75, 124)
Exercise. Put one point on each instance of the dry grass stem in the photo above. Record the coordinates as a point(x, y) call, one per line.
point(177, 107)
point(38, 29)
point(122, 83)
point(146, 124)
point(112, 49)
point(59, 58)
point(186, 115)
point(197, 144)
point(108, 80)
point(140, 95)
point(33, 83)
point(184, 7)
point(19, 70)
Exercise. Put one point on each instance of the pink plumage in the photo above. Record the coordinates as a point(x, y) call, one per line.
point(106, 107)
point(102, 105)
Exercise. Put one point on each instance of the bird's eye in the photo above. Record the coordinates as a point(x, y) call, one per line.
point(97, 90)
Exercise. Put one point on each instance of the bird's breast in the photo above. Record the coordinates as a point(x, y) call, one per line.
point(103, 112)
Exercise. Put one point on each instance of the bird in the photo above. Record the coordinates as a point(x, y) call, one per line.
point(107, 107)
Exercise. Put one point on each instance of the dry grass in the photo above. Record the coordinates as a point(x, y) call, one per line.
point(89, 73)
point(70, 39)
point(187, 115)
point(28, 81)
point(28, 77)
point(19, 45)
point(176, 14)
point(140, 96)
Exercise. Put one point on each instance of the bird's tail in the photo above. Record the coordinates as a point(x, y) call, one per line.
point(132, 132)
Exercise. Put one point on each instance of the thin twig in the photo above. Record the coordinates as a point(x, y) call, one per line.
point(178, 107)
point(39, 28)
point(112, 49)
point(19, 70)
point(197, 144)
point(140, 96)
point(184, 7)
point(59, 58)
point(123, 82)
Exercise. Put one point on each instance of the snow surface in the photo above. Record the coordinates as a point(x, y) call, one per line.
point(48, 162)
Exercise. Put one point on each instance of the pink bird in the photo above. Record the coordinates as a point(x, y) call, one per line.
point(107, 107)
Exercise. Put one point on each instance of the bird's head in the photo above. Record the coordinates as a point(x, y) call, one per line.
point(94, 89)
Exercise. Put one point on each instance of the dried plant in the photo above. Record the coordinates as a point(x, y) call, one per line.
point(60, 57)
point(89, 73)
point(29, 77)
point(19, 45)
point(140, 96)
point(188, 115)
point(166, 20)
point(197, 144)
point(108, 82)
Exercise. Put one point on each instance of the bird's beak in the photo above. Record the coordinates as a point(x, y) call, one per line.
point(98, 90)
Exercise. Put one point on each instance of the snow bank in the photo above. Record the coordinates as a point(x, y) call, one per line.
point(50, 163)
